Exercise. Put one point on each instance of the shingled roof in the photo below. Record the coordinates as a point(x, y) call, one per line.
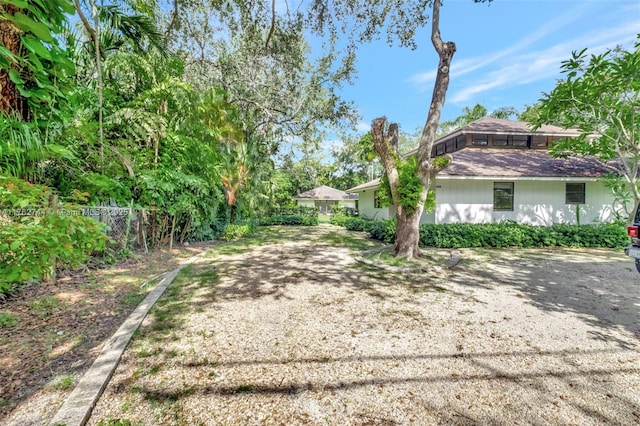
point(371, 184)
point(325, 193)
point(516, 163)
point(497, 126)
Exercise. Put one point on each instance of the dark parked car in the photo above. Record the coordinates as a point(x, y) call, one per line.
point(634, 232)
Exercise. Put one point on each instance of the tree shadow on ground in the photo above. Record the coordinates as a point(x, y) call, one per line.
point(598, 286)
point(564, 281)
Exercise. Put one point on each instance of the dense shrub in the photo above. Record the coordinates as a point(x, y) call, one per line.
point(498, 235)
point(234, 231)
point(306, 216)
point(511, 234)
point(338, 219)
point(283, 219)
point(38, 236)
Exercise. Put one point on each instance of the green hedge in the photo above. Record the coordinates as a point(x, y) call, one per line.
point(305, 216)
point(497, 235)
point(284, 219)
point(233, 231)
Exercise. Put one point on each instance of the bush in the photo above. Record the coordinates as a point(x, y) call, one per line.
point(511, 234)
point(498, 235)
point(306, 216)
point(338, 219)
point(290, 220)
point(233, 231)
point(37, 238)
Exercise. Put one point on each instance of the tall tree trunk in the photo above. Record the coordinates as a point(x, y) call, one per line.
point(11, 102)
point(408, 234)
point(385, 144)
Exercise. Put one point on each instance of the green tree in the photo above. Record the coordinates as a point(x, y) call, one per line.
point(409, 196)
point(110, 28)
point(34, 70)
point(352, 163)
point(600, 96)
point(472, 114)
point(530, 113)
point(468, 115)
point(32, 64)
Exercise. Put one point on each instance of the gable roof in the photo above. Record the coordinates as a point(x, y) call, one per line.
point(371, 184)
point(517, 163)
point(497, 126)
point(325, 193)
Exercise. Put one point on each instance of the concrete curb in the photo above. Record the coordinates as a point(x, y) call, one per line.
point(78, 406)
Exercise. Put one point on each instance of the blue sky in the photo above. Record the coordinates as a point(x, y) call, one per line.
point(508, 53)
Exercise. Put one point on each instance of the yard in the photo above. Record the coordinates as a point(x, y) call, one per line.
point(287, 328)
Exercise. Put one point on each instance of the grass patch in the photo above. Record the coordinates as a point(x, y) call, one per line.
point(349, 241)
point(385, 256)
point(44, 306)
point(263, 236)
point(115, 422)
point(7, 320)
point(147, 354)
point(132, 300)
point(65, 382)
point(244, 389)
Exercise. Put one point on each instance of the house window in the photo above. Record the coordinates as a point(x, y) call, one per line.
point(450, 146)
point(461, 141)
point(539, 141)
point(480, 140)
point(503, 196)
point(500, 140)
point(520, 140)
point(377, 201)
point(575, 193)
point(440, 149)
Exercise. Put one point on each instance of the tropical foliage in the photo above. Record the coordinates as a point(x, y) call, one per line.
point(134, 105)
point(496, 235)
point(600, 96)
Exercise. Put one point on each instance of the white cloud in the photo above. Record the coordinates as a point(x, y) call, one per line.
point(363, 126)
point(542, 64)
point(467, 65)
point(517, 64)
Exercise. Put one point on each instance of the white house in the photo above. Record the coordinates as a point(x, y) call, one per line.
point(501, 170)
point(324, 198)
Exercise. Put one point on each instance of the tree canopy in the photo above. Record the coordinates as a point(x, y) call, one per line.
point(600, 96)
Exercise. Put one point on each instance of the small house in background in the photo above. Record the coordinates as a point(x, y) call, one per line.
point(324, 198)
point(502, 171)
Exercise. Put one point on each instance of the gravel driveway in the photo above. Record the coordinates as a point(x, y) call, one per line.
point(298, 332)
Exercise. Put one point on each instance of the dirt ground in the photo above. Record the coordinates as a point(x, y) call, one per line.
point(57, 329)
point(300, 333)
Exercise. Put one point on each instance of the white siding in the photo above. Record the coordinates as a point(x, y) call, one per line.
point(535, 203)
point(464, 201)
point(366, 207)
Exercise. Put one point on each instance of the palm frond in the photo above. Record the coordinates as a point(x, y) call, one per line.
point(137, 29)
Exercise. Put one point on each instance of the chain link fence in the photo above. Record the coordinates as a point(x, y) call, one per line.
point(126, 226)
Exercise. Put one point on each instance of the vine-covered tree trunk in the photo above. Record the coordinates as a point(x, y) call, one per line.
point(385, 143)
point(11, 102)
point(408, 234)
